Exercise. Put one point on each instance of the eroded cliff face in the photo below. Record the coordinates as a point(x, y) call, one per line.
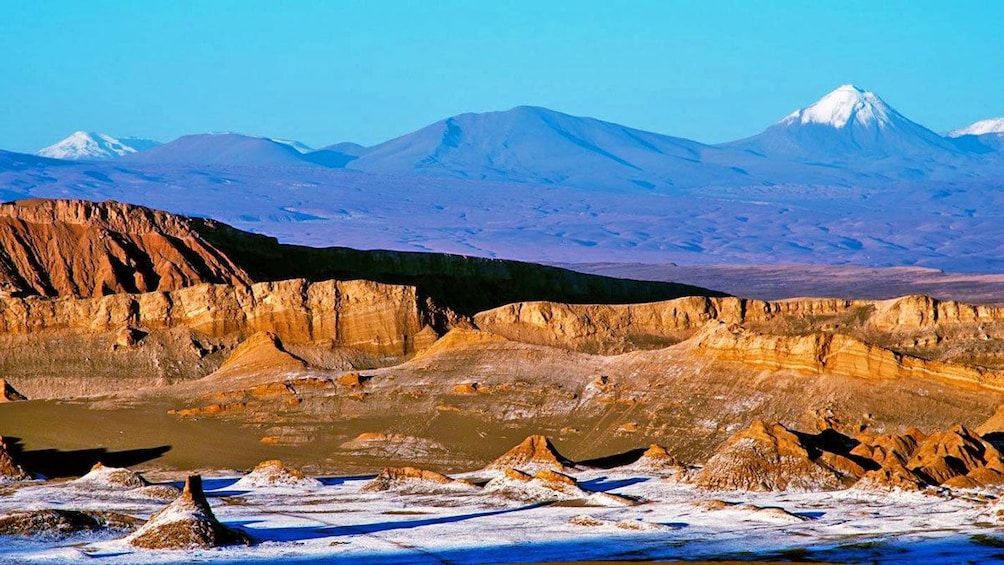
point(82, 249)
point(373, 317)
point(837, 354)
point(127, 341)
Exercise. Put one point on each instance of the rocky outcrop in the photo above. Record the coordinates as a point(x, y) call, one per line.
point(104, 477)
point(79, 248)
point(957, 458)
point(923, 312)
point(993, 426)
point(533, 454)
point(658, 461)
point(373, 317)
point(275, 474)
point(833, 353)
point(617, 328)
point(772, 457)
point(262, 352)
point(547, 485)
point(412, 479)
point(768, 457)
point(10, 470)
point(8, 394)
point(186, 523)
point(58, 524)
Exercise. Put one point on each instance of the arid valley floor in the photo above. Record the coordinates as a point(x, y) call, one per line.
point(446, 409)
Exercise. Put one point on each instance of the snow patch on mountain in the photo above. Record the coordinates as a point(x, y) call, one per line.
point(88, 146)
point(982, 127)
point(299, 146)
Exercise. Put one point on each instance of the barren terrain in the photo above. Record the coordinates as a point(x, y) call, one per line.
point(343, 363)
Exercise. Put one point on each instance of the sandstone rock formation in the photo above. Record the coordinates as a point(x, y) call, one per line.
point(78, 248)
point(186, 523)
point(766, 457)
point(957, 458)
point(10, 470)
point(383, 319)
point(275, 474)
point(837, 354)
point(535, 453)
point(772, 457)
point(993, 426)
point(658, 461)
point(261, 352)
point(8, 394)
point(411, 479)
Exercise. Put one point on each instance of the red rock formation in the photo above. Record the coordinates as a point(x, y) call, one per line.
point(78, 248)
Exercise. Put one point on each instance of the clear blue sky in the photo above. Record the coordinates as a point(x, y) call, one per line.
point(365, 71)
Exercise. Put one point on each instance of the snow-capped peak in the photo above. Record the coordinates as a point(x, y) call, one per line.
point(982, 127)
point(847, 104)
point(86, 145)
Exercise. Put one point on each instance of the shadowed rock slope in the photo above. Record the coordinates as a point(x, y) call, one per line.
point(466, 285)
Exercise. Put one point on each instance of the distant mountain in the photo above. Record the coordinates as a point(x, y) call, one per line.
point(847, 123)
point(537, 145)
point(336, 156)
point(222, 149)
point(982, 134)
point(91, 146)
point(982, 127)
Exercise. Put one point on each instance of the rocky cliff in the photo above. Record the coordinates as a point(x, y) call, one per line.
point(77, 248)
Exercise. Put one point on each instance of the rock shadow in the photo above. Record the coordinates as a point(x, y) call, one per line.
point(304, 533)
point(615, 460)
point(56, 463)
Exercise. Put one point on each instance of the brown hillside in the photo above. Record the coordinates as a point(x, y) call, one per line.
point(78, 248)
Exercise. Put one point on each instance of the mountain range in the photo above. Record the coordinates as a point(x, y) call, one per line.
point(847, 138)
point(844, 181)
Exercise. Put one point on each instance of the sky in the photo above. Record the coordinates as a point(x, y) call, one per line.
point(365, 71)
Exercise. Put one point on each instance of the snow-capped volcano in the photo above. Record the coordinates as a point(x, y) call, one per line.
point(847, 104)
point(847, 122)
point(982, 127)
point(86, 145)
